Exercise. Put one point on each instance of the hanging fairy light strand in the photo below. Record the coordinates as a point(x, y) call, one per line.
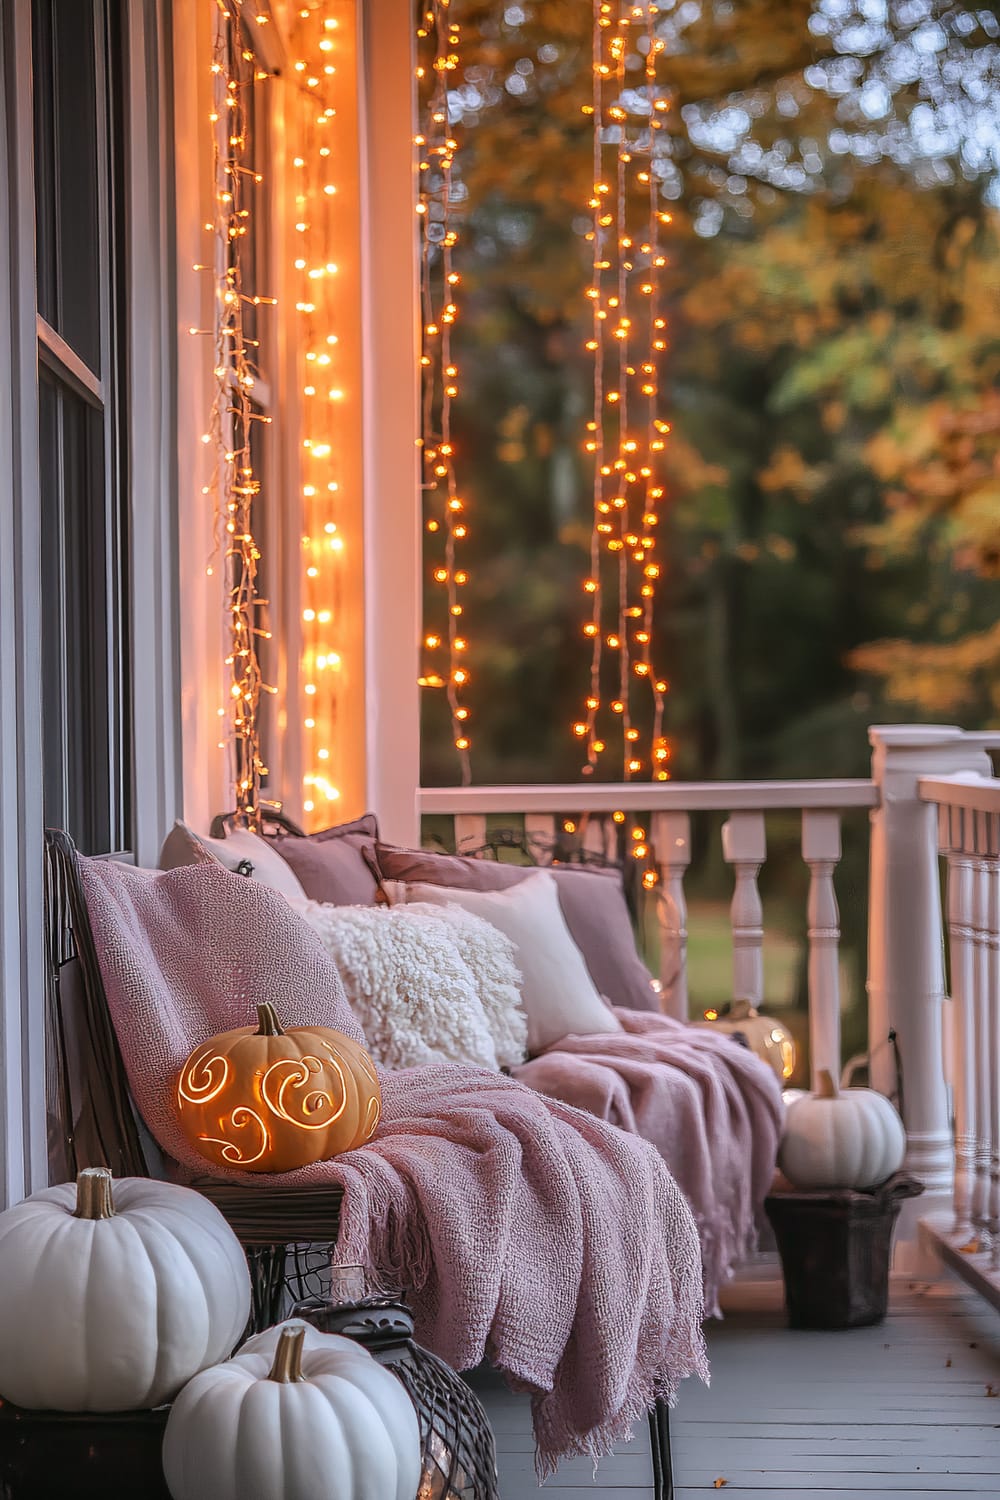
point(626, 437)
point(314, 40)
point(235, 485)
point(444, 645)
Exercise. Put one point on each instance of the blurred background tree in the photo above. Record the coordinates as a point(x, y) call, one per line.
point(832, 537)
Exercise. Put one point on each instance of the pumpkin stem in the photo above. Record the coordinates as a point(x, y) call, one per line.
point(267, 1021)
point(287, 1365)
point(825, 1086)
point(93, 1194)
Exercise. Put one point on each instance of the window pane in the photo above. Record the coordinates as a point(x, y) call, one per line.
point(65, 69)
point(84, 710)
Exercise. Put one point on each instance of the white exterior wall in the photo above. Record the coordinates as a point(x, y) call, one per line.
point(201, 679)
point(375, 759)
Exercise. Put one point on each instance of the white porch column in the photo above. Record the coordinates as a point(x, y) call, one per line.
point(906, 981)
point(390, 312)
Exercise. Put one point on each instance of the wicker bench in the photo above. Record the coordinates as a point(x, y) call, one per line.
point(287, 1234)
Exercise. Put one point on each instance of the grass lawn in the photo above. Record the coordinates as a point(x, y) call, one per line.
point(710, 958)
point(710, 961)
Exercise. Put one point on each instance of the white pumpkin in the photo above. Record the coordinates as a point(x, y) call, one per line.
point(112, 1295)
point(853, 1139)
point(295, 1415)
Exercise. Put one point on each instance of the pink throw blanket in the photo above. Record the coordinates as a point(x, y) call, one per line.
point(523, 1229)
point(710, 1107)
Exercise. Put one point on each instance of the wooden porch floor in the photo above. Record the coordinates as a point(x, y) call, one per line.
point(911, 1408)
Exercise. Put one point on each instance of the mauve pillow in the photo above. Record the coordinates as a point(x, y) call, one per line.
point(337, 865)
point(238, 850)
point(592, 902)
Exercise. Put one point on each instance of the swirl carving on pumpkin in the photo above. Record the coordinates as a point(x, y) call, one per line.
point(297, 1073)
point(205, 1078)
point(364, 1062)
point(231, 1152)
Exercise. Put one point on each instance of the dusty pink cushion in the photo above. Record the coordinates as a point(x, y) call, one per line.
point(336, 865)
point(592, 902)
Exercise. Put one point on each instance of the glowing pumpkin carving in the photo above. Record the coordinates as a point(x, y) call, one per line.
point(269, 1100)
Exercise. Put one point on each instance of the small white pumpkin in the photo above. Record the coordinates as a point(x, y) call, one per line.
point(112, 1295)
point(295, 1415)
point(853, 1139)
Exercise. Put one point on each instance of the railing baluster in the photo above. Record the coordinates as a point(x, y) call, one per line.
point(982, 1026)
point(744, 846)
point(539, 833)
point(821, 851)
point(671, 835)
point(593, 834)
point(960, 938)
point(470, 832)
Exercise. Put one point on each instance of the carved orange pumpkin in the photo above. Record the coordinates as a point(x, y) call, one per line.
point(271, 1100)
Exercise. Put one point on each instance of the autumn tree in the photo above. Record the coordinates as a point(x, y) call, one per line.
point(832, 171)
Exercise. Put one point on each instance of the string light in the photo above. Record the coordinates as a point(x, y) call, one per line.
point(438, 41)
point(235, 485)
point(314, 43)
point(625, 437)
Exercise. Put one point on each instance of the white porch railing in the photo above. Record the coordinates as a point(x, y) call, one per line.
point(968, 816)
point(661, 815)
point(913, 773)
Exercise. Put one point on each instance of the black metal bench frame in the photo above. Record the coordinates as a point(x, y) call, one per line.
point(286, 1234)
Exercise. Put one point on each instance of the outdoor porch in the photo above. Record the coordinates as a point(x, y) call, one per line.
point(908, 1408)
point(256, 383)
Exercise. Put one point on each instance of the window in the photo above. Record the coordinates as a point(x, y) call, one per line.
point(79, 161)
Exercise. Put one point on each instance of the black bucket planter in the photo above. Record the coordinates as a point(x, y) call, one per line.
point(836, 1250)
point(86, 1455)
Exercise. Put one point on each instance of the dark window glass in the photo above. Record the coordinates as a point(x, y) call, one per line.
point(79, 172)
point(68, 84)
point(85, 790)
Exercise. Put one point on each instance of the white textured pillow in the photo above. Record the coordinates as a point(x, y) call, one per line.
point(428, 984)
point(489, 954)
point(182, 846)
point(557, 991)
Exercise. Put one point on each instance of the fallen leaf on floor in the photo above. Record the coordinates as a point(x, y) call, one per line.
point(972, 1248)
point(990, 1391)
point(719, 1483)
point(947, 1364)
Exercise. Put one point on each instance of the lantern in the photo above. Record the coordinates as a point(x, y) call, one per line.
point(459, 1452)
point(270, 1100)
point(766, 1037)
